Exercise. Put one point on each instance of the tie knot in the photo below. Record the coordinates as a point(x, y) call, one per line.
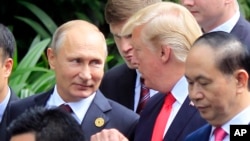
point(169, 99)
point(66, 108)
point(219, 134)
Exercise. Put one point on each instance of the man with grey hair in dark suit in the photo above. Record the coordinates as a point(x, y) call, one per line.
point(7, 46)
point(77, 55)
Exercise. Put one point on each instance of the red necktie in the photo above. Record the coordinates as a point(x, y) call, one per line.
point(144, 97)
point(66, 108)
point(162, 118)
point(219, 134)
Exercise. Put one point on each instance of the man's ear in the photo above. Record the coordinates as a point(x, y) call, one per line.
point(242, 79)
point(165, 53)
point(8, 64)
point(51, 57)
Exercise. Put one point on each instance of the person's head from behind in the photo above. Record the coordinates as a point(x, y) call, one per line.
point(117, 12)
point(77, 55)
point(7, 46)
point(162, 35)
point(217, 70)
point(211, 13)
point(41, 124)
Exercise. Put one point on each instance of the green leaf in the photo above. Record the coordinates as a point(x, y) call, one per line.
point(28, 62)
point(43, 17)
point(36, 26)
point(43, 81)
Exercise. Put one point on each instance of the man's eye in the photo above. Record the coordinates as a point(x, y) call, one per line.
point(76, 60)
point(96, 62)
point(128, 36)
point(203, 83)
point(190, 82)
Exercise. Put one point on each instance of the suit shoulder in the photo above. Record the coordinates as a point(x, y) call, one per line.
point(200, 133)
point(29, 101)
point(21, 103)
point(122, 110)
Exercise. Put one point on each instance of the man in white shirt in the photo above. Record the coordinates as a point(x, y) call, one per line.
point(220, 15)
point(217, 70)
point(77, 55)
point(162, 35)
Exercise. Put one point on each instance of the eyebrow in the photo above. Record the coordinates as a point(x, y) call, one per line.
point(199, 77)
point(126, 36)
point(116, 35)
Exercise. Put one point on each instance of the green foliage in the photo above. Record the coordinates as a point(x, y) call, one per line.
point(32, 74)
point(26, 77)
point(245, 8)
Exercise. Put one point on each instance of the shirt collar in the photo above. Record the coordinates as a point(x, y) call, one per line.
point(4, 104)
point(180, 90)
point(241, 118)
point(79, 108)
point(228, 25)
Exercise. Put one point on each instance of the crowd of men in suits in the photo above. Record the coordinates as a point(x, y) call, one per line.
point(161, 43)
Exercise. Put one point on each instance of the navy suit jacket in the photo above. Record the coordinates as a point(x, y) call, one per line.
point(3, 125)
point(186, 121)
point(114, 114)
point(242, 31)
point(201, 134)
point(118, 84)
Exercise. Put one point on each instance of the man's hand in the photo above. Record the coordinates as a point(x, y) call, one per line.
point(108, 135)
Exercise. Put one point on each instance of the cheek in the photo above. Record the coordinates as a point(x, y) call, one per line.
point(97, 74)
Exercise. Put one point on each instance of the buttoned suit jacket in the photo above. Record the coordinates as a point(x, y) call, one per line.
point(186, 121)
point(242, 31)
point(201, 134)
point(3, 125)
point(114, 114)
point(118, 84)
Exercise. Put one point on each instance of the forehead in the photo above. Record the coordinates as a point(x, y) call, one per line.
point(200, 58)
point(202, 51)
point(91, 40)
point(136, 36)
point(116, 27)
point(24, 137)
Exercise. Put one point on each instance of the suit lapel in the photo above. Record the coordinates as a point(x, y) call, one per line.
point(203, 133)
point(95, 114)
point(146, 123)
point(207, 132)
point(13, 97)
point(239, 29)
point(182, 118)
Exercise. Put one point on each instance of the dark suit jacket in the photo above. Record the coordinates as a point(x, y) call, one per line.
point(3, 126)
point(242, 31)
point(118, 84)
point(202, 134)
point(114, 114)
point(186, 121)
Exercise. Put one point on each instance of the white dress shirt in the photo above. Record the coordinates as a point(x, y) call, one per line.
point(228, 25)
point(242, 118)
point(4, 104)
point(79, 108)
point(180, 93)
